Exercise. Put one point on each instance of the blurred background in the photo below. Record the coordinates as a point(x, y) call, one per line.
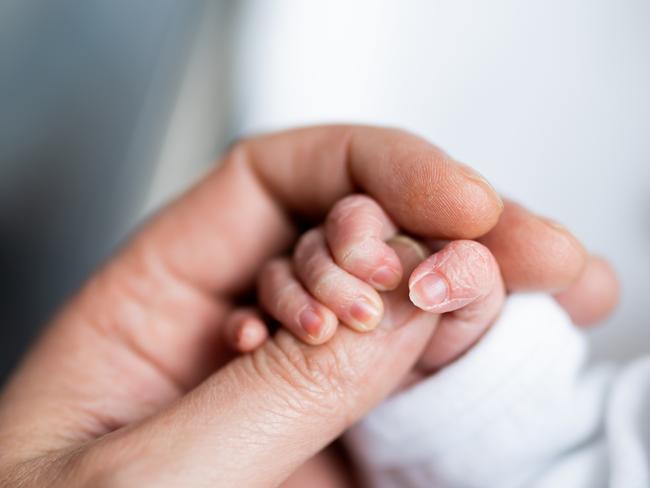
point(109, 108)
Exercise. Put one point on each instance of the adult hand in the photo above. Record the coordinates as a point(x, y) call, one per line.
point(120, 388)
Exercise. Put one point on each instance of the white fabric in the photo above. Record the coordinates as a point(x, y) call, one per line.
point(522, 408)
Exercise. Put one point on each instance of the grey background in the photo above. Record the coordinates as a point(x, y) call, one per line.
point(86, 88)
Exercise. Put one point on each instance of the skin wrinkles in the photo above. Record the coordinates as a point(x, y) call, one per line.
point(213, 240)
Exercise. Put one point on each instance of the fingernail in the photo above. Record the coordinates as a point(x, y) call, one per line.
point(429, 291)
point(384, 278)
point(311, 322)
point(365, 314)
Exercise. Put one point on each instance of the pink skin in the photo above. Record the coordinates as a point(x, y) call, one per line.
point(594, 294)
point(282, 295)
point(131, 383)
point(354, 302)
point(461, 281)
point(245, 330)
point(357, 229)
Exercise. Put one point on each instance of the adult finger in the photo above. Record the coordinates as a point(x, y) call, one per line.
point(152, 316)
point(534, 253)
point(264, 180)
point(264, 414)
point(538, 254)
point(593, 296)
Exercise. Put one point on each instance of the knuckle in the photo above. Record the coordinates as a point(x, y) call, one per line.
point(351, 257)
point(350, 205)
point(325, 282)
point(354, 207)
point(362, 256)
point(316, 268)
point(308, 245)
point(286, 296)
point(352, 231)
point(273, 271)
point(279, 289)
point(307, 378)
point(64, 468)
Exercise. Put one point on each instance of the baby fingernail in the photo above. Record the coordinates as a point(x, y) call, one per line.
point(365, 314)
point(384, 278)
point(429, 291)
point(311, 322)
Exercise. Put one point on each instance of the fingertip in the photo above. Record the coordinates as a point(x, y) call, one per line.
point(244, 330)
point(464, 207)
point(482, 205)
point(594, 295)
point(454, 277)
point(534, 253)
point(250, 334)
point(425, 190)
point(284, 297)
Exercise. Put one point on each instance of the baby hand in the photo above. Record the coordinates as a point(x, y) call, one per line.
point(337, 271)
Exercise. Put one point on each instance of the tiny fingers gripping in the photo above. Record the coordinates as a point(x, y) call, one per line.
point(285, 299)
point(355, 303)
point(356, 230)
